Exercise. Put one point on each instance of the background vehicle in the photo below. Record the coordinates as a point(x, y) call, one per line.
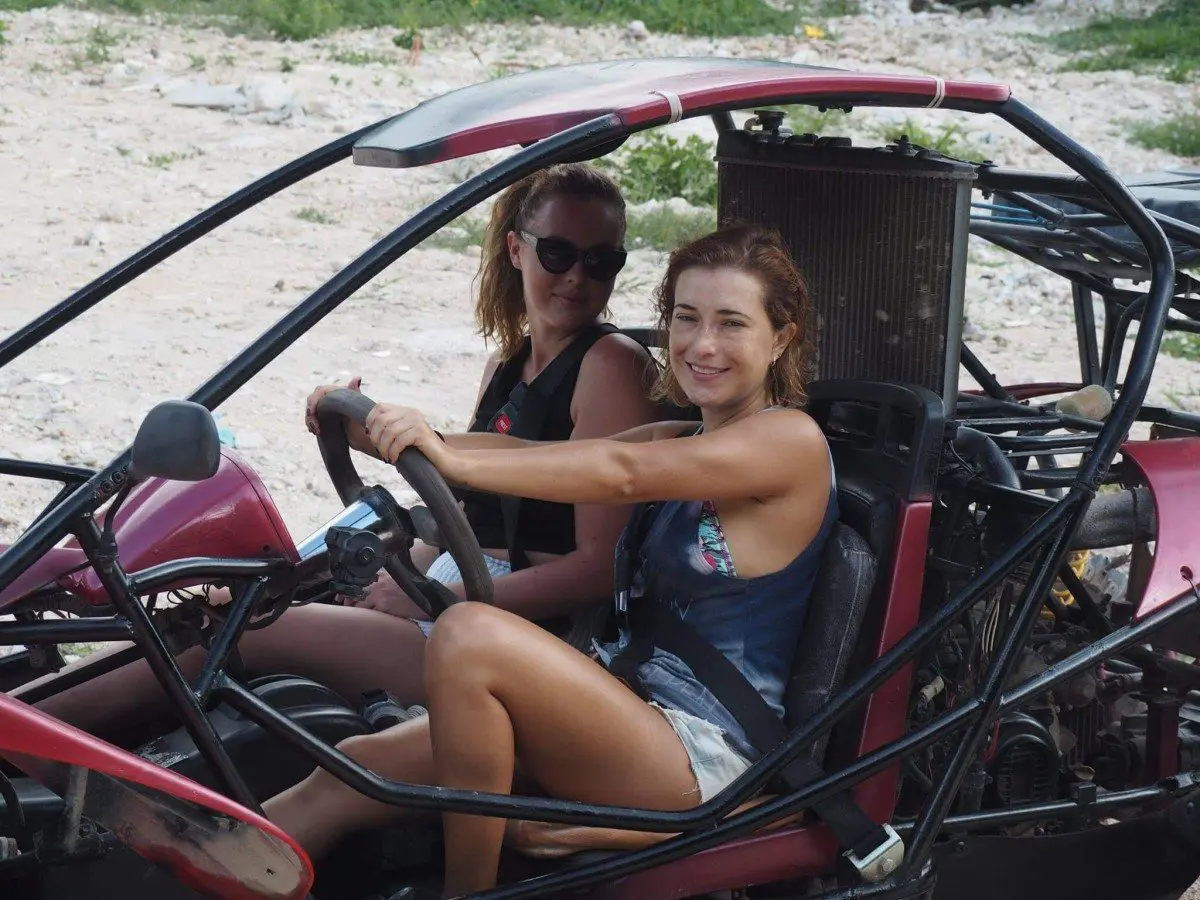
point(1003, 709)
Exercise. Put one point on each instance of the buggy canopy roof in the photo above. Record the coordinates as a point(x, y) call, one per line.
point(533, 105)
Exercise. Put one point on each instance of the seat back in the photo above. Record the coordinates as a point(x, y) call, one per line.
point(884, 440)
point(857, 548)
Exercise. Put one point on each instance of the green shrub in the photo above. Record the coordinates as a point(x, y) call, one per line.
point(658, 166)
point(1181, 345)
point(303, 19)
point(805, 119)
point(665, 227)
point(949, 140)
point(1169, 37)
point(1179, 135)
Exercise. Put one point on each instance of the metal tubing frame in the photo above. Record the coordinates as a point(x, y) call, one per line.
point(23, 468)
point(1055, 525)
point(166, 670)
point(86, 672)
point(203, 567)
point(1016, 815)
point(1085, 334)
point(66, 631)
point(227, 638)
point(977, 370)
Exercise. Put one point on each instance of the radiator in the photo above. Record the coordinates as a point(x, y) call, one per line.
point(881, 237)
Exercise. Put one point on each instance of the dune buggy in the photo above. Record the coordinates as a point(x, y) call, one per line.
point(996, 689)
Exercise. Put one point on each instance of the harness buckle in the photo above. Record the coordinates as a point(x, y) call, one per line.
point(882, 861)
point(622, 601)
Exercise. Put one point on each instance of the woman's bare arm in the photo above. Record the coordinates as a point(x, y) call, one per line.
point(758, 456)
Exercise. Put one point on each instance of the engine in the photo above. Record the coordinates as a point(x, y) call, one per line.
point(1089, 732)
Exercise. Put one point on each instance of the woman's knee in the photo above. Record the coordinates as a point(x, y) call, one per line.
point(467, 633)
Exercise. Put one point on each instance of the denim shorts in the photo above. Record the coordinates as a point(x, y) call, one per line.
point(714, 763)
point(445, 570)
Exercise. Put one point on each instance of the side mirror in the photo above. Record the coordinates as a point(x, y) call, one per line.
point(177, 441)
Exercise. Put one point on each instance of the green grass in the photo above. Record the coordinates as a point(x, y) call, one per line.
point(805, 119)
point(658, 166)
point(1182, 345)
point(465, 231)
point(1179, 135)
point(1169, 38)
point(166, 160)
point(97, 47)
point(664, 228)
point(304, 19)
point(362, 58)
point(316, 216)
point(949, 140)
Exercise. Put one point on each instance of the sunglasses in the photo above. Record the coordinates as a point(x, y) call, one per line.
point(558, 256)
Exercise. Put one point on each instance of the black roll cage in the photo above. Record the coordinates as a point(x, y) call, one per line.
point(84, 491)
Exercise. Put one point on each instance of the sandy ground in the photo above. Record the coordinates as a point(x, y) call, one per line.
point(96, 160)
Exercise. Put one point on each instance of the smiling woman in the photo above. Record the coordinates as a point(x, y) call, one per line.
point(712, 291)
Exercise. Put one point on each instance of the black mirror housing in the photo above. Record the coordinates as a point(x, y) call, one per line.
point(177, 441)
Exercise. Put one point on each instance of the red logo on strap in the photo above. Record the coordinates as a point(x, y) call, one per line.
point(503, 423)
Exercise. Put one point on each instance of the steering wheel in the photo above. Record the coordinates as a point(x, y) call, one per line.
point(441, 524)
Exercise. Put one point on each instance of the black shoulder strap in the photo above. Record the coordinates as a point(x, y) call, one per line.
point(531, 418)
point(855, 830)
point(651, 625)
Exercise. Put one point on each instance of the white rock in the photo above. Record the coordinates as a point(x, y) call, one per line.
point(250, 439)
point(267, 94)
point(637, 30)
point(96, 237)
point(322, 107)
point(207, 96)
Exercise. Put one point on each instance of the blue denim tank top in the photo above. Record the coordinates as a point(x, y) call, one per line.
point(755, 622)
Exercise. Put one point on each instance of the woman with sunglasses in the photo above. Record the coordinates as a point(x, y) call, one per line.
point(742, 507)
point(551, 254)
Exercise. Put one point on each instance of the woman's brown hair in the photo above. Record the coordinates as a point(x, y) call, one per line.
point(500, 306)
point(760, 252)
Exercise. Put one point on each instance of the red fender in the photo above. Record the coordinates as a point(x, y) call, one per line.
point(204, 839)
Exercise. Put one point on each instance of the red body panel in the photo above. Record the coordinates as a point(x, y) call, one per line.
point(229, 515)
point(1171, 469)
point(887, 709)
point(204, 838)
point(812, 849)
point(534, 105)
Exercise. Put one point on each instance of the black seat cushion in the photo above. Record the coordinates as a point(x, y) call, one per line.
point(857, 550)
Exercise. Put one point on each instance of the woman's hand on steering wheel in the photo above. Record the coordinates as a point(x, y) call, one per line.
point(388, 597)
point(392, 428)
point(310, 405)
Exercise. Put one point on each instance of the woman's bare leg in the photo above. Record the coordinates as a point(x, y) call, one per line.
point(350, 650)
point(321, 810)
point(499, 685)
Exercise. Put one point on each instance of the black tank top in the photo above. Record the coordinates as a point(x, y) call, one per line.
point(541, 525)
